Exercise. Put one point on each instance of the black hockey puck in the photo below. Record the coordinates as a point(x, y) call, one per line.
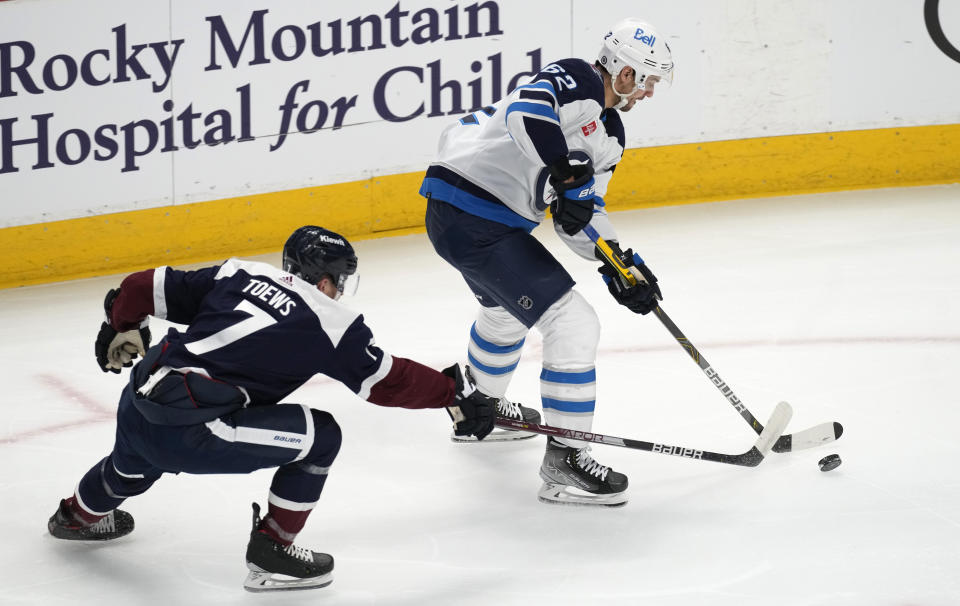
point(829, 462)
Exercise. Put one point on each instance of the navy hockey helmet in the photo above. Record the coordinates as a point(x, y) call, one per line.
point(312, 253)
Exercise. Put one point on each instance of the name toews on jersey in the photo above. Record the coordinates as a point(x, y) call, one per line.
point(257, 327)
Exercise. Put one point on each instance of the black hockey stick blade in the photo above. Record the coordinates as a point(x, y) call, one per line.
point(753, 457)
point(817, 435)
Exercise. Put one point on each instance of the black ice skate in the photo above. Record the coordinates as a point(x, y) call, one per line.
point(275, 567)
point(114, 525)
point(572, 477)
point(510, 410)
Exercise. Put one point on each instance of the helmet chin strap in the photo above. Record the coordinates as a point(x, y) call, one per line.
point(624, 99)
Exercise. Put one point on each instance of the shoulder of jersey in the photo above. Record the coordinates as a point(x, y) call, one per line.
point(588, 79)
point(305, 290)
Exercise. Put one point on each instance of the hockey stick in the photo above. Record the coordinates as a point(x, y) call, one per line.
point(753, 457)
point(808, 438)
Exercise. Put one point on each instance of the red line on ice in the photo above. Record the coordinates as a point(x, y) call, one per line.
point(97, 412)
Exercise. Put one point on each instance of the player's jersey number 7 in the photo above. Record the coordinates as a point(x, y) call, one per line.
point(258, 320)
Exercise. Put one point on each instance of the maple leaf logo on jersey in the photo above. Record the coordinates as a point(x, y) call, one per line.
point(589, 128)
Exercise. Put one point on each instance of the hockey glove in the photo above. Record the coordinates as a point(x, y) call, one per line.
point(573, 207)
point(640, 298)
point(115, 350)
point(473, 412)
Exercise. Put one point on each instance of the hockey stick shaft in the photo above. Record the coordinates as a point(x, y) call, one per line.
point(814, 436)
point(753, 457)
point(807, 438)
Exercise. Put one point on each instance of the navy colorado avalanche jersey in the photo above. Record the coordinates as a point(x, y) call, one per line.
point(257, 327)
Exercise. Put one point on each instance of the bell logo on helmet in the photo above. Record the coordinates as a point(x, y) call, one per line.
point(648, 39)
point(636, 44)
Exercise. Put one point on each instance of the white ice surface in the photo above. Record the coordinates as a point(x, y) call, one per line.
point(845, 305)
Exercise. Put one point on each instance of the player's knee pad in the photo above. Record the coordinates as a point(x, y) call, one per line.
point(498, 325)
point(327, 438)
point(571, 332)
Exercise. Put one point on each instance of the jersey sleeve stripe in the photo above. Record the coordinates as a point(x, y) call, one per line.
point(385, 365)
point(159, 297)
point(542, 85)
point(536, 95)
point(533, 109)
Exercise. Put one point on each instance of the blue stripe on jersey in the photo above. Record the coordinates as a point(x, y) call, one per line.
point(538, 95)
point(445, 185)
point(573, 378)
point(536, 109)
point(479, 207)
point(489, 347)
point(543, 85)
point(491, 370)
point(563, 406)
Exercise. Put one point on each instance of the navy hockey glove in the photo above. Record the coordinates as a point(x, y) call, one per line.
point(115, 350)
point(473, 412)
point(573, 207)
point(640, 298)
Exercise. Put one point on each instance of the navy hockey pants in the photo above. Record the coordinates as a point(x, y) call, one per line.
point(502, 265)
point(301, 442)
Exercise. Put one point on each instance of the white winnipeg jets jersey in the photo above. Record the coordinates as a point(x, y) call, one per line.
point(492, 163)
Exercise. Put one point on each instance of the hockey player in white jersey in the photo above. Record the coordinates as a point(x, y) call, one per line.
point(553, 142)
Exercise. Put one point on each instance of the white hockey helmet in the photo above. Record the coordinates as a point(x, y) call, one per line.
point(635, 43)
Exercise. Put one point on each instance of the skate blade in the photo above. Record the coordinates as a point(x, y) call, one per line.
point(560, 494)
point(497, 435)
point(259, 582)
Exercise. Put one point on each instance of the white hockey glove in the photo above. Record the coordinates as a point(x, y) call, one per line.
point(115, 350)
point(473, 412)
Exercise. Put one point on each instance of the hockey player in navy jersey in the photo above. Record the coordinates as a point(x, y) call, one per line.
point(553, 142)
point(207, 399)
